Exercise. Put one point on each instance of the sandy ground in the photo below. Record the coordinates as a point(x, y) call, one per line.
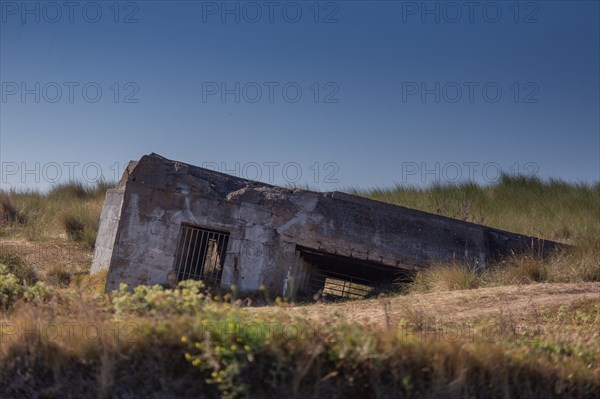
point(517, 301)
point(45, 255)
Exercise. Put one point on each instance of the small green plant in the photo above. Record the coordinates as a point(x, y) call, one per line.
point(226, 343)
point(12, 288)
point(189, 297)
point(17, 266)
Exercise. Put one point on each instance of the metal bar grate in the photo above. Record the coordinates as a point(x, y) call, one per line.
point(338, 286)
point(200, 254)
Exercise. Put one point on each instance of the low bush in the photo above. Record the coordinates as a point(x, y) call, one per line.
point(17, 266)
point(446, 277)
point(189, 297)
point(12, 288)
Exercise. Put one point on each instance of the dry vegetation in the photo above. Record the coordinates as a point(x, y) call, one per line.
point(577, 265)
point(523, 328)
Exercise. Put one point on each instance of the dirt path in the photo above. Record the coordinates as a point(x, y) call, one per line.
point(44, 255)
point(455, 305)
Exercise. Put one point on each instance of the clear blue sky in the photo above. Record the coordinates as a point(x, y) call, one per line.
point(391, 91)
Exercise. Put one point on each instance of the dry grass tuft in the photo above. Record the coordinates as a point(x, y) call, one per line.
point(73, 227)
point(59, 276)
point(78, 190)
point(70, 210)
point(575, 265)
point(9, 213)
point(89, 283)
point(446, 277)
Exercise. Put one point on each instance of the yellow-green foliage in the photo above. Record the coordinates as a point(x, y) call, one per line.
point(585, 312)
point(16, 265)
point(188, 298)
point(13, 289)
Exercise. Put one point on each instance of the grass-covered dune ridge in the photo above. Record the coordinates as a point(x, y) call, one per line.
point(551, 209)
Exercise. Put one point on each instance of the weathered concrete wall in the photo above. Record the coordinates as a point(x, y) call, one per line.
point(266, 223)
point(109, 222)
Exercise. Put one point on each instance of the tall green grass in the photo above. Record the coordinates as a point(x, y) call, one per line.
point(553, 209)
point(67, 211)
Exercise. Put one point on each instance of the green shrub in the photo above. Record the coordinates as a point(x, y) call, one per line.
point(188, 298)
point(12, 288)
point(225, 343)
point(17, 266)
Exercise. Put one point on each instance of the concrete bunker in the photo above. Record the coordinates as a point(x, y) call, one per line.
point(167, 221)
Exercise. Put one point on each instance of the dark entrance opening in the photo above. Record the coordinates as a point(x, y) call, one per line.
point(336, 277)
point(200, 254)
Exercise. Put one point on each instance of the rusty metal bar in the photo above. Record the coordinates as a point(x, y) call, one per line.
point(340, 286)
point(200, 254)
point(197, 265)
point(182, 249)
